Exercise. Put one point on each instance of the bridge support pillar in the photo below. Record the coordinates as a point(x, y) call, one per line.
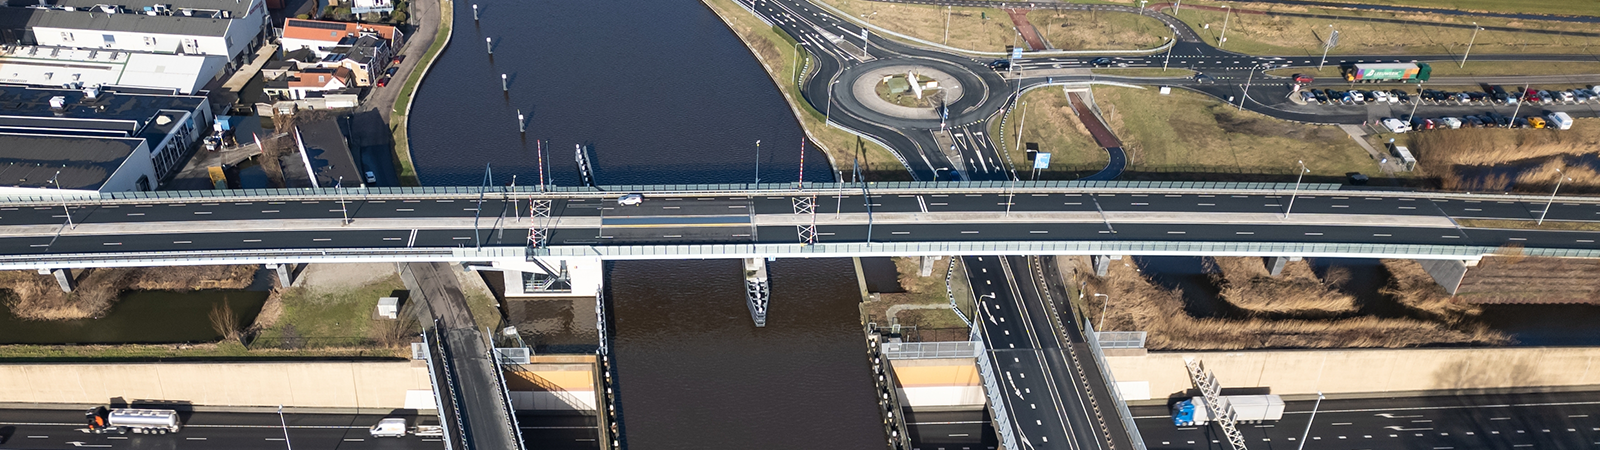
point(285, 274)
point(927, 265)
point(1275, 264)
point(63, 277)
point(757, 290)
point(1103, 263)
point(1447, 272)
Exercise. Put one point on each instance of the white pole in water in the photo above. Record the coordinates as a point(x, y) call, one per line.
point(522, 124)
point(474, 12)
point(504, 85)
point(489, 43)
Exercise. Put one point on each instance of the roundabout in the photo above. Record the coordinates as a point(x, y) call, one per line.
point(871, 91)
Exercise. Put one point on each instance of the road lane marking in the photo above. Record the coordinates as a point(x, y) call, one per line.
point(969, 232)
point(252, 240)
point(1177, 232)
point(202, 213)
point(135, 214)
point(1244, 232)
point(401, 210)
point(183, 242)
point(900, 232)
point(267, 211)
point(111, 243)
point(1313, 234)
point(1382, 235)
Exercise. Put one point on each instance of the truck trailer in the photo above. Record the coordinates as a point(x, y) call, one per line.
point(1246, 409)
point(104, 420)
point(1378, 72)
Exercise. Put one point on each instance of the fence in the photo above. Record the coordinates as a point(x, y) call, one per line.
point(1120, 339)
point(1111, 383)
point(931, 350)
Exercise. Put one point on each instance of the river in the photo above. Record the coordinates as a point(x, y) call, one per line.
point(663, 92)
point(695, 373)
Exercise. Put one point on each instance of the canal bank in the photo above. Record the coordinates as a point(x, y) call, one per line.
point(398, 116)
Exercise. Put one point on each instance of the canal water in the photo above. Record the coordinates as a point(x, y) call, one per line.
point(695, 373)
point(663, 92)
point(139, 317)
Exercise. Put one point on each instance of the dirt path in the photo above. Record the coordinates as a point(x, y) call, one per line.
point(1019, 17)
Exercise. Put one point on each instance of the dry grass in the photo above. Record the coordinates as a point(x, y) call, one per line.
point(1052, 124)
point(39, 297)
point(1098, 30)
point(1298, 290)
point(977, 29)
point(1141, 305)
point(1529, 224)
point(919, 290)
point(1494, 159)
point(1413, 287)
point(1521, 279)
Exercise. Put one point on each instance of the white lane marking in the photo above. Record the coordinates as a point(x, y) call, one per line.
point(404, 210)
point(1382, 235)
point(1038, 232)
point(900, 232)
point(252, 240)
point(268, 211)
point(135, 214)
point(1177, 232)
point(202, 213)
point(391, 239)
point(111, 243)
point(969, 232)
point(183, 242)
point(1244, 232)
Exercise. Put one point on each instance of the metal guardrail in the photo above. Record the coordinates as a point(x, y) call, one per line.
point(1120, 339)
point(931, 350)
point(991, 386)
point(505, 392)
point(433, 380)
point(460, 428)
point(1111, 384)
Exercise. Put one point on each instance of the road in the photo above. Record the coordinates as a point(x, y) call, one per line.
point(1040, 359)
point(1552, 421)
point(56, 429)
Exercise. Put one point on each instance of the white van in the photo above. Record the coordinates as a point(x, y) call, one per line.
point(630, 200)
point(391, 427)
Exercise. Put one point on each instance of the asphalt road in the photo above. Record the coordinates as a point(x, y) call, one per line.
point(1532, 421)
point(950, 430)
point(57, 429)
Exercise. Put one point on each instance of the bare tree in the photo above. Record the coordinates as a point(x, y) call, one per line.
point(224, 322)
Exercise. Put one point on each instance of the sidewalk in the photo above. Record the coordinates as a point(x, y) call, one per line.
point(1019, 17)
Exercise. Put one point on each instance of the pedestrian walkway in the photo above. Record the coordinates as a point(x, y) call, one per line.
point(1019, 18)
point(1118, 159)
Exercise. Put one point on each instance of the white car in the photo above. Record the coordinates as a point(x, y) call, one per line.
point(1451, 122)
point(1395, 125)
point(1380, 97)
point(630, 200)
point(391, 427)
point(1355, 96)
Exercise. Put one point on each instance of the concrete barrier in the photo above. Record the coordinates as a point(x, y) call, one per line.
point(943, 384)
point(291, 384)
point(1289, 372)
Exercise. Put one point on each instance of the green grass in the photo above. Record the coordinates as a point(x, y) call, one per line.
point(1050, 123)
point(1145, 72)
point(1187, 132)
point(1303, 36)
point(336, 316)
point(402, 102)
point(1098, 30)
point(1555, 7)
point(773, 49)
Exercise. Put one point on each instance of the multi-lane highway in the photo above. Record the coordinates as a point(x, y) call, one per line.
point(1569, 420)
point(57, 429)
point(1027, 215)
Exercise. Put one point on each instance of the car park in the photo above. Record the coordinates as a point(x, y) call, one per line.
point(1474, 121)
point(1394, 125)
point(1401, 95)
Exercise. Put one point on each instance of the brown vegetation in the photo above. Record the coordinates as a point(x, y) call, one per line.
point(224, 322)
point(1411, 286)
point(1487, 159)
point(39, 297)
point(920, 290)
point(1521, 279)
point(1141, 305)
point(1247, 284)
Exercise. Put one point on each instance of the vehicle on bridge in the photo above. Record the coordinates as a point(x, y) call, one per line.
point(1246, 409)
point(104, 420)
point(1377, 72)
point(630, 199)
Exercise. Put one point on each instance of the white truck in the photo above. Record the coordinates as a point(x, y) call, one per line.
point(1246, 409)
point(1560, 120)
point(104, 420)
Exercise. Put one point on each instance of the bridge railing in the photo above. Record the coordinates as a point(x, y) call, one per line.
point(1111, 385)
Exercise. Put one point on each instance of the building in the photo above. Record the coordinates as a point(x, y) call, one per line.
point(73, 164)
point(232, 30)
point(169, 125)
point(371, 6)
point(324, 37)
point(366, 58)
point(300, 85)
point(66, 66)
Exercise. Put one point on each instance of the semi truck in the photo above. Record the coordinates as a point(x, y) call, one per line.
point(1378, 72)
point(103, 420)
point(1246, 409)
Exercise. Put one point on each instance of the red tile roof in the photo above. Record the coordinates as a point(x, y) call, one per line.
point(322, 30)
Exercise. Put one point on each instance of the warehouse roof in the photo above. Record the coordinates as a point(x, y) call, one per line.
point(30, 160)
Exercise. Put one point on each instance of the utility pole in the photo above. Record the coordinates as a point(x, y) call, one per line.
point(1247, 81)
point(285, 425)
point(1314, 407)
point(947, 25)
point(1175, 7)
point(1225, 16)
point(1414, 105)
point(1333, 38)
point(1474, 39)
point(1561, 176)
point(55, 181)
point(1297, 178)
point(1170, 46)
point(343, 210)
point(758, 161)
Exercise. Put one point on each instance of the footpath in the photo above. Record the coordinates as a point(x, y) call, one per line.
point(1019, 18)
point(1102, 135)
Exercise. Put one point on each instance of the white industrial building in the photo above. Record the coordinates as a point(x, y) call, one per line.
point(230, 29)
point(46, 125)
point(65, 66)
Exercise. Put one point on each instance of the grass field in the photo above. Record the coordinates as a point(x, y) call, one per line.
point(1472, 69)
point(1286, 35)
point(920, 290)
point(1497, 159)
point(770, 46)
point(1051, 123)
point(1529, 224)
point(312, 318)
point(1086, 30)
point(157, 352)
point(976, 29)
point(1554, 7)
point(1191, 133)
point(1145, 72)
point(402, 102)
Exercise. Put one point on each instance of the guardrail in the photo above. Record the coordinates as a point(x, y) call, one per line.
point(991, 386)
point(505, 391)
point(931, 350)
point(1111, 386)
point(459, 430)
point(433, 380)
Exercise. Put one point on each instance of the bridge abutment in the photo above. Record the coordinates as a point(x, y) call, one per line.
point(285, 273)
point(1102, 263)
point(63, 277)
point(927, 265)
point(1447, 272)
point(1275, 263)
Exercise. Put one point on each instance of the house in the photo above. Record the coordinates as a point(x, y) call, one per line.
point(167, 127)
point(188, 27)
point(371, 6)
point(325, 37)
point(300, 85)
point(366, 58)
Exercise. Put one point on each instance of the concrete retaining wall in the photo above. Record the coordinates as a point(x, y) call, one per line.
point(300, 384)
point(939, 384)
point(1350, 371)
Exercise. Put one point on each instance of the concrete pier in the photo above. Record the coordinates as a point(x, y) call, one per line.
point(757, 290)
point(1447, 272)
point(285, 273)
point(63, 276)
point(1102, 263)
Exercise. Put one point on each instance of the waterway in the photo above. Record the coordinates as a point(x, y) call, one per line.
point(663, 92)
point(695, 373)
point(138, 317)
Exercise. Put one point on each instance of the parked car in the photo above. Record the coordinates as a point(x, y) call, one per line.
point(371, 177)
point(1545, 97)
point(1520, 122)
point(1595, 89)
point(1536, 121)
point(1379, 96)
point(1399, 94)
point(391, 71)
point(383, 81)
point(398, 59)
point(1357, 96)
point(1395, 125)
point(1322, 95)
point(1308, 97)
point(1568, 95)
point(1451, 122)
point(1474, 121)
point(1478, 97)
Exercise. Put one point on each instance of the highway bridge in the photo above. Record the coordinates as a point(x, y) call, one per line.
point(735, 221)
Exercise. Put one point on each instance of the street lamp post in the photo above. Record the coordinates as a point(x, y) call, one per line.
point(343, 210)
point(1328, 45)
point(1307, 433)
point(285, 425)
point(1561, 176)
point(1174, 43)
point(1224, 37)
point(758, 161)
point(1297, 178)
point(947, 25)
point(1417, 103)
point(1518, 109)
point(1474, 39)
point(1247, 81)
point(827, 114)
point(54, 180)
point(1103, 304)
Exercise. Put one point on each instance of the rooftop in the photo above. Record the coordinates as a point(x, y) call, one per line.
point(22, 101)
point(28, 160)
point(29, 18)
point(56, 66)
point(236, 8)
point(322, 30)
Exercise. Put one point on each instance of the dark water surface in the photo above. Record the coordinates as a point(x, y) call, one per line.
point(663, 91)
point(139, 317)
point(695, 373)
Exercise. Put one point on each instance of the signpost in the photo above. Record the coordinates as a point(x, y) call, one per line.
point(1040, 162)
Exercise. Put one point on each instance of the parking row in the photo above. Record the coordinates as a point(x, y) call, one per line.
point(1491, 95)
point(1553, 120)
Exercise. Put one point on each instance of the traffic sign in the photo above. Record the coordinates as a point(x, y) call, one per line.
point(1042, 161)
point(1016, 53)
